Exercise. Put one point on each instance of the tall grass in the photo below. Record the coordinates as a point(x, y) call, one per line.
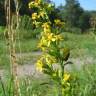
point(84, 81)
point(82, 84)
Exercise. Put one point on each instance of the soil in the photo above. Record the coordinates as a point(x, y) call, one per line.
point(29, 69)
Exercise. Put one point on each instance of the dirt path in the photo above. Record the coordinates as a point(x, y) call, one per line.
point(30, 68)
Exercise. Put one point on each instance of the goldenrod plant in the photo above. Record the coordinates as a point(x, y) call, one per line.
point(50, 44)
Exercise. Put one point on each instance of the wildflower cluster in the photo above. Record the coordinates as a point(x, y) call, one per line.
point(49, 43)
point(35, 3)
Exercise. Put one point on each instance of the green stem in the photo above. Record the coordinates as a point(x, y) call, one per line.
point(62, 69)
point(62, 76)
point(3, 88)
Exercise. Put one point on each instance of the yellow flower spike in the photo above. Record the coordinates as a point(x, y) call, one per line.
point(66, 77)
point(34, 16)
point(39, 65)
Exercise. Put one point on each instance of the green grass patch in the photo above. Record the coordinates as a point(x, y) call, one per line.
point(83, 83)
point(80, 45)
point(27, 46)
point(23, 46)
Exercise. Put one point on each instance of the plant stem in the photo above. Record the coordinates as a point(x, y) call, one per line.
point(62, 77)
point(2, 86)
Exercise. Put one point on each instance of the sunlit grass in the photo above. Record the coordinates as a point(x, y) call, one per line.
point(80, 45)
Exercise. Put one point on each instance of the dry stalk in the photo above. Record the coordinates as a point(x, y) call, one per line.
point(11, 32)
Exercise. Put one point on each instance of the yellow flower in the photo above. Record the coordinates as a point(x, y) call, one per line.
point(58, 37)
point(39, 65)
point(31, 4)
point(58, 22)
point(47, 30)
point(34, 16)
point(43, 43)
point(36, 23)
point(40, 45)
point(50, 5)
point(50, 38)
point(50, 59)
point(46, 25)
point(35, 3)
point(41, 14)
point(38, 1)
point(66, 77)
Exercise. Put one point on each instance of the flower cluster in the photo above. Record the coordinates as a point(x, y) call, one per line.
point(35, 3)
point(45, 59)
point(49, 39)
point(58, 22)
point(50, 43)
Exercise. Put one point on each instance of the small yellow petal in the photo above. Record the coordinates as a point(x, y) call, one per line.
point(39, 65)
point(66, 77)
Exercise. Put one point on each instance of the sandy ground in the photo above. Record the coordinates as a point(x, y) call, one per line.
point(30, 68)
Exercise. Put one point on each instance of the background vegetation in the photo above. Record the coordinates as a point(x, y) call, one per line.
point(79, 35)
point(75, 17)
